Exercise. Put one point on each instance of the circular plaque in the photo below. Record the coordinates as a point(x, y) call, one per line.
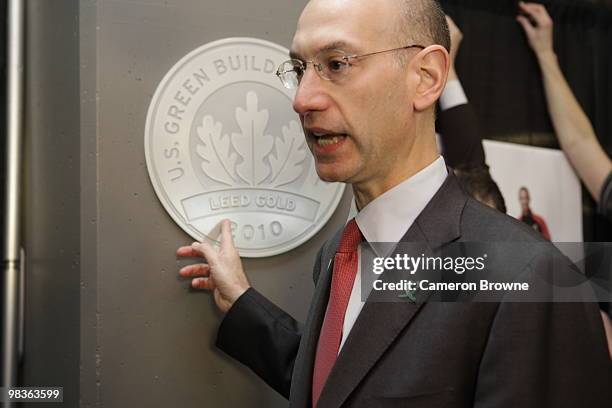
point(222, 141)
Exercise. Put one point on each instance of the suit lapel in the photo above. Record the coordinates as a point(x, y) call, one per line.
point(379, 323)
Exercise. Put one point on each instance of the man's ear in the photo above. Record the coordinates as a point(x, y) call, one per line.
point(432, 66)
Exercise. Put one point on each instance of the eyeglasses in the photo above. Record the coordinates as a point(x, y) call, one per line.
point(331, 65)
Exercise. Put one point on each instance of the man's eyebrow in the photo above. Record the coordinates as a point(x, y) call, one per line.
point(335, 45)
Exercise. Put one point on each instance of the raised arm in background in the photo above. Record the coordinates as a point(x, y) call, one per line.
point(458, 124)
point(572, 126)
point(461, 135)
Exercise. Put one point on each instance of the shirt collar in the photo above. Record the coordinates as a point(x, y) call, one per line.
point(389, 216)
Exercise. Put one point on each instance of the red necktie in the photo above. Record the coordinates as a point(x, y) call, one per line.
point(343, 278)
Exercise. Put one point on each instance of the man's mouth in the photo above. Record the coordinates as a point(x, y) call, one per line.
point(323, 139)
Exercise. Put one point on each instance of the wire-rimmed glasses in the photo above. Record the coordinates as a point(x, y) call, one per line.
point(331, 65)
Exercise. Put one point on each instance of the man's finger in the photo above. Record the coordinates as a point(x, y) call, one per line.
point(203, 283)
point(226, 234)
point(192, 271)
point(187, 251)
point(205, 250)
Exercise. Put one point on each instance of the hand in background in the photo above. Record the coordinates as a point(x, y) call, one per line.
point(222, 274)
point(540, 32)
point(572, 126)
point(456, 38)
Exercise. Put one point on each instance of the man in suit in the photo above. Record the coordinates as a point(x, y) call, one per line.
point(368, 76)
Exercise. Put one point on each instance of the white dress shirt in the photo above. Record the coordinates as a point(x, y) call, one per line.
point(387, 218)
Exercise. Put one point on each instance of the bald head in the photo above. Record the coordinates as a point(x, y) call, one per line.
point(419, 22)
point(422, 22)
point(412, 22)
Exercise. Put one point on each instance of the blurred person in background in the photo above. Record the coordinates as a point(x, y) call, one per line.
point(461, 135)
point(528, 217)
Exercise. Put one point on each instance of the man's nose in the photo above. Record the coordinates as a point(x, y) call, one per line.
point(311, 94)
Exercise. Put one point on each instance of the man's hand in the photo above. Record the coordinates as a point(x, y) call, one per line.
point(456, 38)
point(539, 30)
point(222, 274)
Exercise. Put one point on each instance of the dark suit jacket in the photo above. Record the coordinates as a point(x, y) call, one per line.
point(433, 354)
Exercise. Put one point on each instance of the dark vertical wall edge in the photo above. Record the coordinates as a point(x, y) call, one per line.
point(51, 198)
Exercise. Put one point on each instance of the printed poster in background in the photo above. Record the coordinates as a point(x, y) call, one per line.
point(542, 180)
